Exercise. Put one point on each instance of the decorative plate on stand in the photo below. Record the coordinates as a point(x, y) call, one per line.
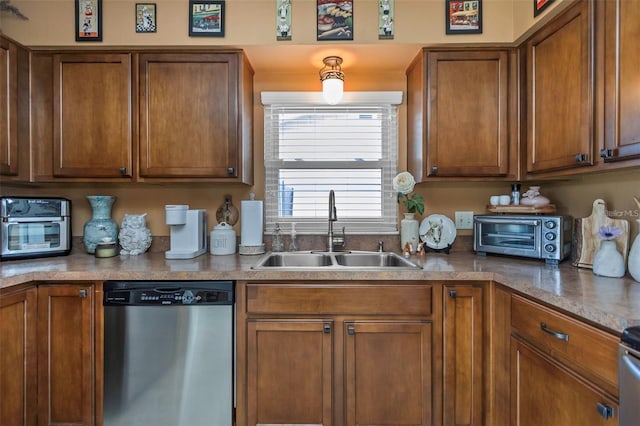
point(437, 231)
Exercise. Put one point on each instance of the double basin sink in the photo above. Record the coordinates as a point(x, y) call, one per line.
point(341, 260)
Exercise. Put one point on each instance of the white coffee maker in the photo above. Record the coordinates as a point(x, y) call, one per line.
point(188, 231)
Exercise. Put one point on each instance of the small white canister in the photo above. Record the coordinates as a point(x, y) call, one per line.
point(223, 239)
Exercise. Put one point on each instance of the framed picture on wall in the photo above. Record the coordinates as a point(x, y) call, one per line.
point(335, 20)
point(146, 21)
point(206, 18)
point(540, 5)
point(283, 22)
point(463, 16)
point(88, 20)
point(385, 19)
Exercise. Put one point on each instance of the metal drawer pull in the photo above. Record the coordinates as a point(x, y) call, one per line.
point(351, 330)
point(555, 334)
point(327, 329)
point(605, 411)
point(84, 292)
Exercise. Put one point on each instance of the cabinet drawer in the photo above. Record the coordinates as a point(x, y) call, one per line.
point(587, 350)
point(336, 298)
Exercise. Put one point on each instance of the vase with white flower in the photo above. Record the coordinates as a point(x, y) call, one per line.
point(608, 261)
point(404, 184)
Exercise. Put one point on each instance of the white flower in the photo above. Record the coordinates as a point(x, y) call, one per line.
point(404, 183)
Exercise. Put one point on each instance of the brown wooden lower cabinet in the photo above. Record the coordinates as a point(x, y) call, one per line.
point(289, 372)
point(543, 392)
point(337, 354)
point(66, 372)
point(291, 366)
point(388, 372)
point(463, 357)
point(18, 363)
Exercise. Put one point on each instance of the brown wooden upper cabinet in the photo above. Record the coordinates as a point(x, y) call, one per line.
point(560, 88)
point(14, 152)
point(461, 110)
point(621, 80)
point(143, 116)
point(92, 115)
point(194, 121)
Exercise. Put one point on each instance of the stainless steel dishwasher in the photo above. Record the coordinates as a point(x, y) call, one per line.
point(629, 376)
point(168, 353)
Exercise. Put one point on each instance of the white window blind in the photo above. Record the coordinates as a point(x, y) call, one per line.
point(312, 148)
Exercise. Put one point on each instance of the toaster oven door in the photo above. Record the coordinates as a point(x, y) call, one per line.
point(29, 238)
point(519, 237)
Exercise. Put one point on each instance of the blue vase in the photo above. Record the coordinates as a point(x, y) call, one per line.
point(100, 227)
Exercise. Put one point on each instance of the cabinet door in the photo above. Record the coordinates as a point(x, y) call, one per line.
point(388, 373)
point(18, 358)
point(463, 356)
point(14, 112)
point(65, 355)
point(8, 108)
point(289, 372)
point(189, 115)
point(622, 80)
point(92, 123)
point(559, 92)
point(545, 393)
point(469, 121)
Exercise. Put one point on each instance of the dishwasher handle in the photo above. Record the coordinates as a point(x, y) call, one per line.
point(630, 363)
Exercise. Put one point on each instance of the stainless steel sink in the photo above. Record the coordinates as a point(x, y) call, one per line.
point(295, 260)
point(373, 260)
point(361, 260)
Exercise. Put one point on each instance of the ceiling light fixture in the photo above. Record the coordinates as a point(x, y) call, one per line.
point(332, 79)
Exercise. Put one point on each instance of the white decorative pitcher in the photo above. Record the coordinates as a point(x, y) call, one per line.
point(608, 261)
point(409, 233)
point(633, 259)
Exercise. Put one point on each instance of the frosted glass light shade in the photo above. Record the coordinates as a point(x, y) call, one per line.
point(332, 89)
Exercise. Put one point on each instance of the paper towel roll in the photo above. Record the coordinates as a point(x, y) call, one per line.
point(252, 222)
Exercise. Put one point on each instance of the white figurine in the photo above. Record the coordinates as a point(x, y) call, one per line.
point(134, 237)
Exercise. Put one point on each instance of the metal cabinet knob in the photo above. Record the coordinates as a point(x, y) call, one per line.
point(123, 170)
point(605, 411)
point(434, 170)
point(581, 157)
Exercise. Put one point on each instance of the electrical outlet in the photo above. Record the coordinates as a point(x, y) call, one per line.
point(464, 220)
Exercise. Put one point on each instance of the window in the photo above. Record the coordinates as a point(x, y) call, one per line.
point(312, 148)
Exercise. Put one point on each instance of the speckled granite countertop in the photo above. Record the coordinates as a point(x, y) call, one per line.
point(610, 303)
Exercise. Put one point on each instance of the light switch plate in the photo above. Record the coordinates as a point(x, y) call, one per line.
point(464, 220)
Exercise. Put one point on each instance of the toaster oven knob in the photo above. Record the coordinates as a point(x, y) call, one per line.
point(550, 236)
point(550, 224)
point(550, 248)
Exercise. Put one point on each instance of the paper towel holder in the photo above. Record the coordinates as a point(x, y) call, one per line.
point(243, 247)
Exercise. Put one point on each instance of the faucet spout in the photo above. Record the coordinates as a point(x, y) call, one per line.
point(332, 218)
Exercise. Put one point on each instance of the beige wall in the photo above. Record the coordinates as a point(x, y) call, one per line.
point(249, 22)
point(419, 22)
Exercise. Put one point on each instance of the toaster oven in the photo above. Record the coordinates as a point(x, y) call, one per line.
point(34, 227)
point(538, 237)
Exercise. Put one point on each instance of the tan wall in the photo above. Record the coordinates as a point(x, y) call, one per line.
point(418, 21)
point(248, 22)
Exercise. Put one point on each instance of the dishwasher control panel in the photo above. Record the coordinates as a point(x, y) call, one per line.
point(168, 293)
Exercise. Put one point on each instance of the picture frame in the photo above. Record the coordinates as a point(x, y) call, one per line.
point(335, 21)
point(206, 18)
point(146, 18)
point(283, 20)
point(540, 5)
point(463, 16)
point(88, 16)
point(386, 10)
